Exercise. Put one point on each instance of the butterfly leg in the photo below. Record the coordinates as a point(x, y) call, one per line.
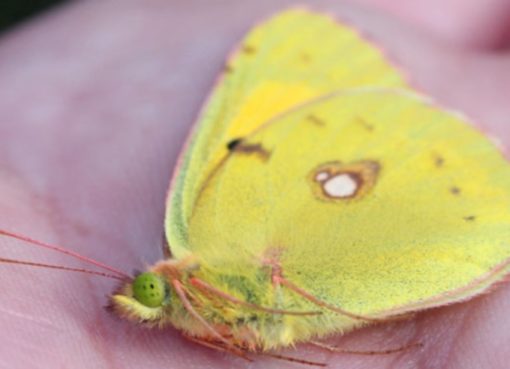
point(336, 349)
point(219, 346)
point(181, 292)
point(293, 359)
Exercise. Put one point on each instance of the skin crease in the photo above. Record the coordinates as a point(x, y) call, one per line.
point(96, 100)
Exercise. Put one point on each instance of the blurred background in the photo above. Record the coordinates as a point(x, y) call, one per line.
point(16, 11)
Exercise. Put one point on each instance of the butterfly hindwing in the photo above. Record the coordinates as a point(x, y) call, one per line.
point(373, 200)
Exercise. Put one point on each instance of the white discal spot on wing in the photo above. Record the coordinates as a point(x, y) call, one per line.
point(339, 186)
point(338, 182)
point(321, 176)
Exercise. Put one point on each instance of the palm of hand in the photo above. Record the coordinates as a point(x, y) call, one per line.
point(90, 134)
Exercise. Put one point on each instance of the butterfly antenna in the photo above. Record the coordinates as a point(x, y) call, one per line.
point(60, 267)
point(62, 250)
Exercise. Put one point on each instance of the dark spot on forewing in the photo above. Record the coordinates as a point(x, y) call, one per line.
point(251, 149)
point(248, 49)
point(305, 57)
point(470, 218)
point(455, 190)
point(369, 127)
point(315, 120)
point(232, 144)
point(438, 161)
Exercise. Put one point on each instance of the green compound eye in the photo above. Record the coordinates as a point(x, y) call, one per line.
point(149, 289)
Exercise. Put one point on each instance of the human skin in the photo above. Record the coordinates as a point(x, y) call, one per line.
point(96, 100)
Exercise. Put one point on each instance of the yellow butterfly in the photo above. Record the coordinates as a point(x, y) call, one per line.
point(319, 194)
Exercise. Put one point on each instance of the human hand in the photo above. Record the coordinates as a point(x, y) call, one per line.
point(97, 99)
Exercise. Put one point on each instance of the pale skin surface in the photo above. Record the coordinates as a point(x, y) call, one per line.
point(95, 103)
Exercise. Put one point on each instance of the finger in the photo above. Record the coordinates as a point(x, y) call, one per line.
point(473, 24)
